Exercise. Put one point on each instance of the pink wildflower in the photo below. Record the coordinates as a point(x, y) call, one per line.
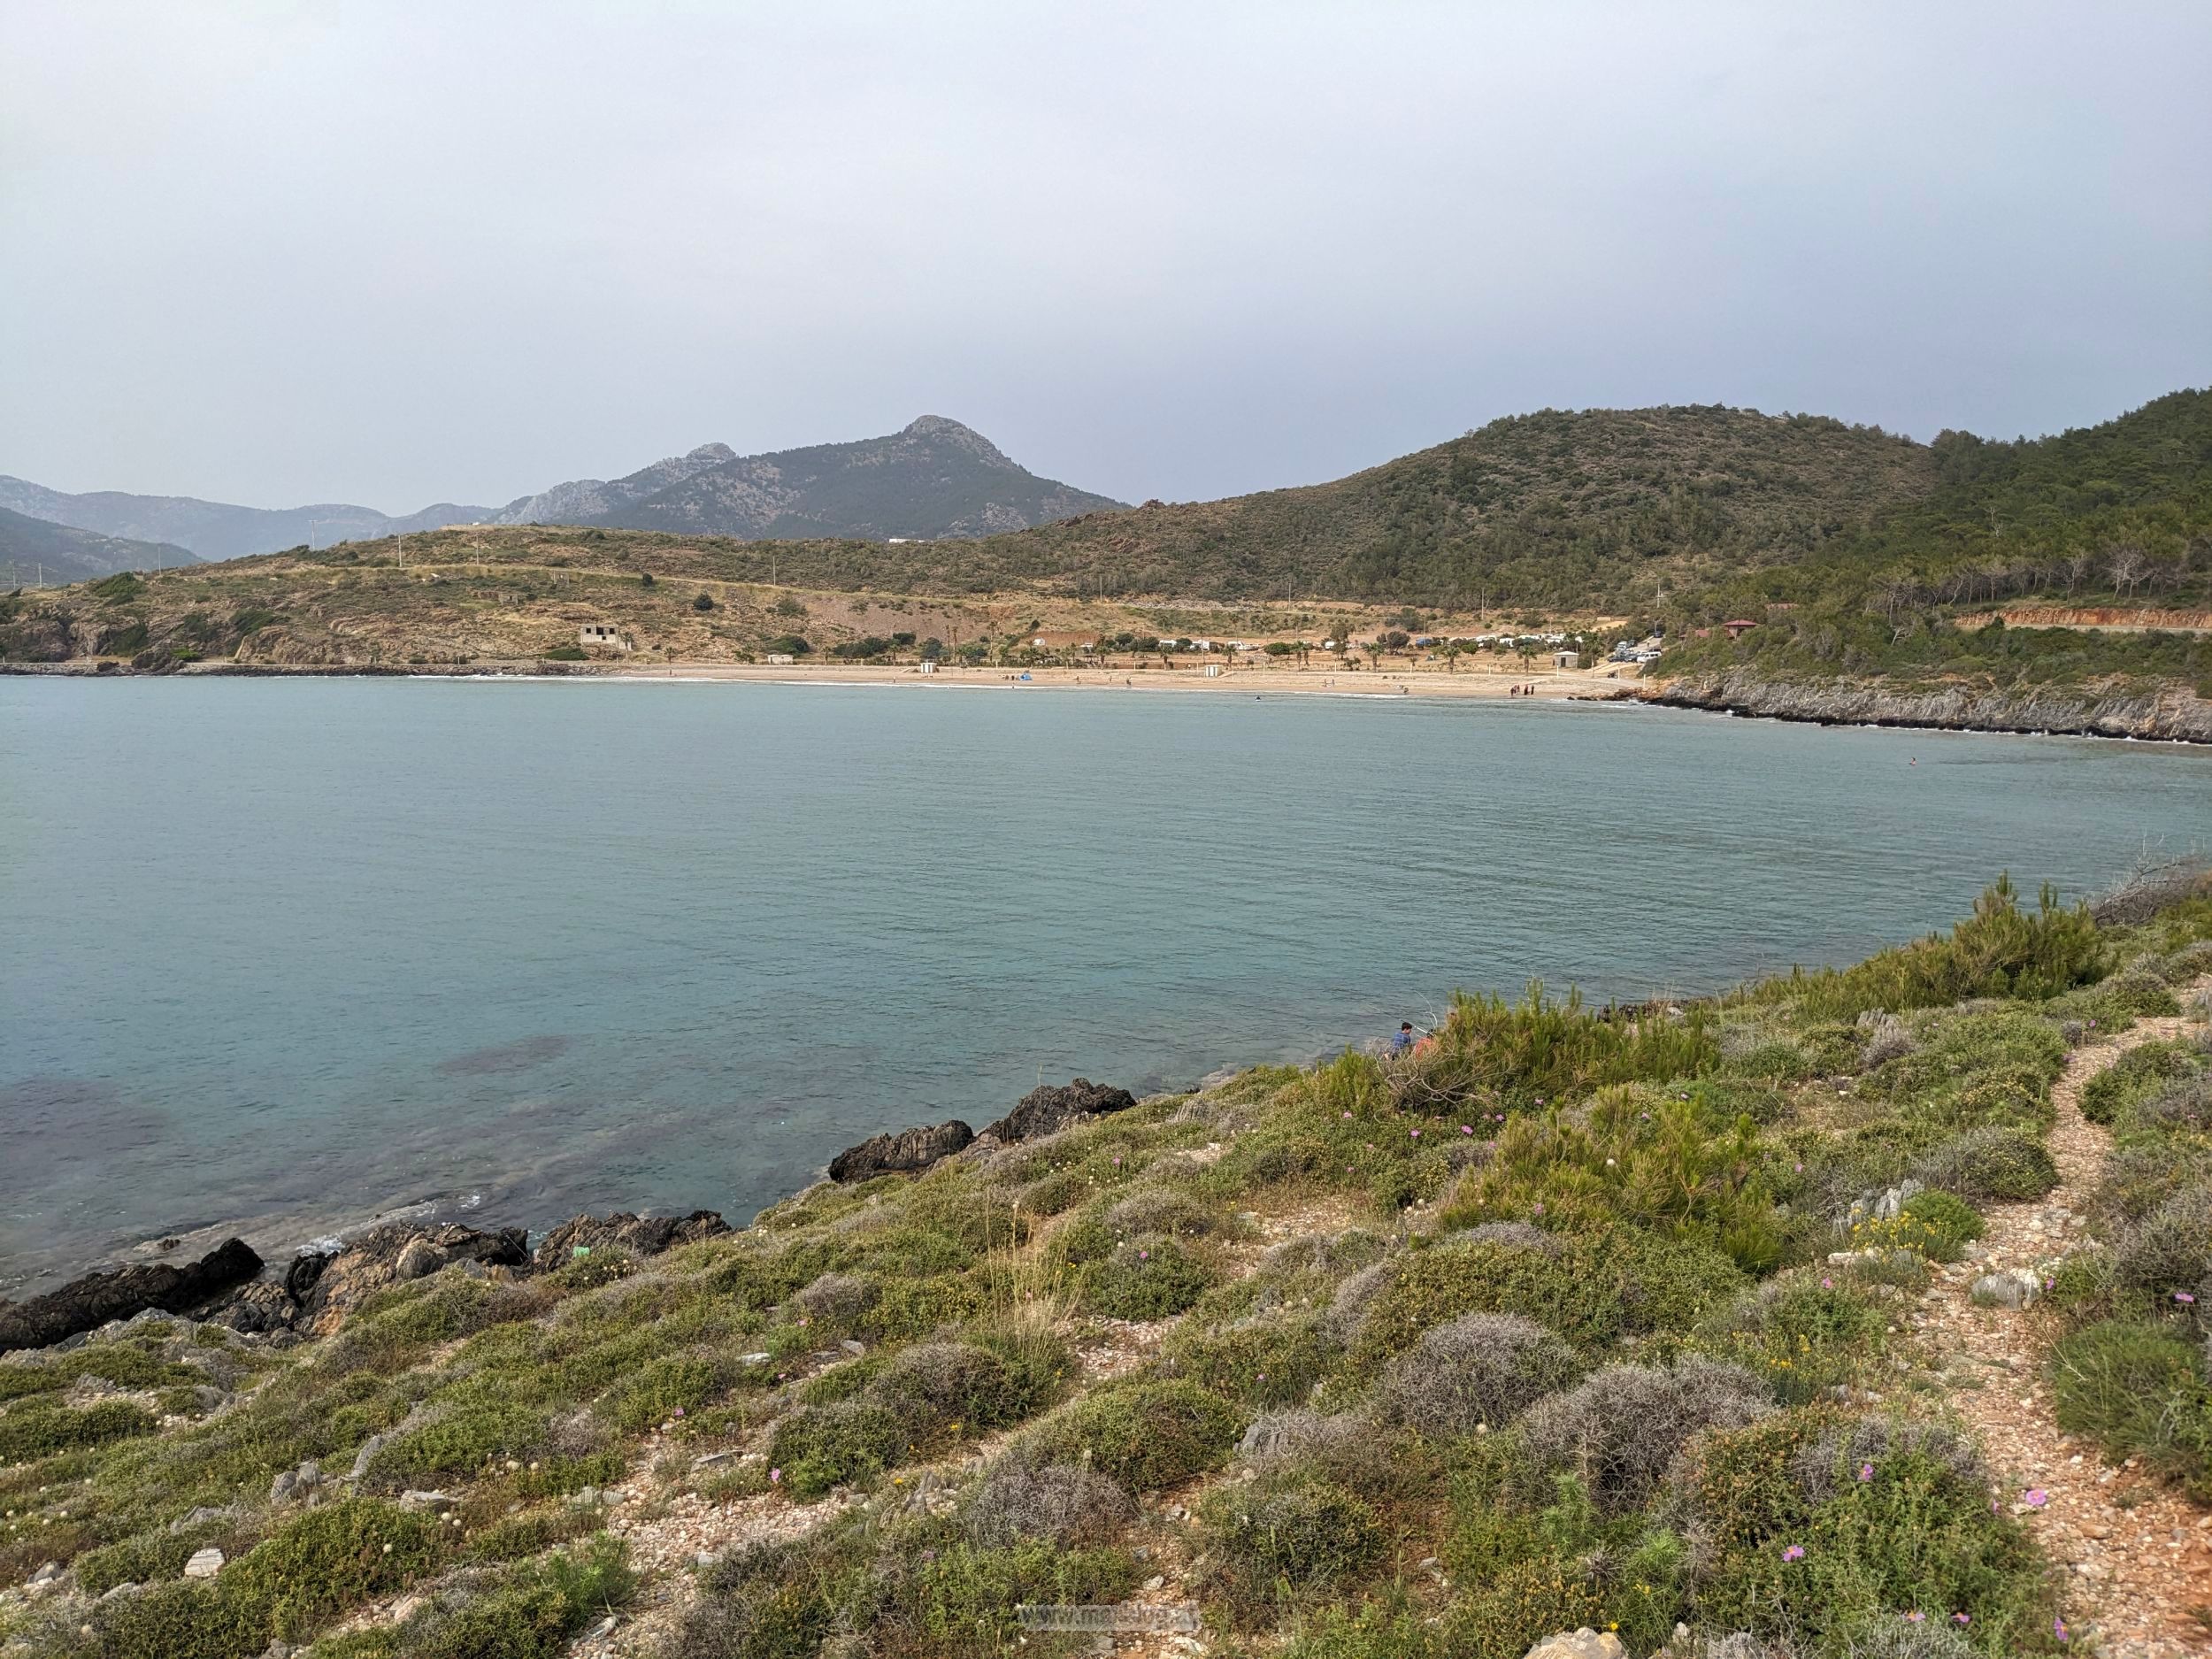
point(1866, 1472)
point(1827, 1283)
point(1540, 1209)
point(2184, 1298)
point(775, 1477)
point(1466, 1129)
point(2036, 1497)
point(1416, 1135)
point(1796, 1552)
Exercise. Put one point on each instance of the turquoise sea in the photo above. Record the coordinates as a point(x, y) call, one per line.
point(279, 954)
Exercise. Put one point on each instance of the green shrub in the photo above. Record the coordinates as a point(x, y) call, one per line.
point(1145, 1435)
point(1670, 1166)
point(1973, 1070)
point(525, 1619)
point(1491, 1053)
point(325, 1559)
point(1983, 1164)
point(673, 1384)
point(2140, 1392)
point(1804, 1333)
point(594, 1579)
point(1431, 1286)
point(960, 1598)
point(1278, 1539)
point(1263, 1360)
point(1784, 1062)
point(821, 1447)
point(917, 1306)
point(1887, 1518)
point(1999, 950)
point(939, 1383)
point(467, 1437)
point(531, 1531)
point(1393, 1628)
point(1940, 1226)
point(2133, 1077)
point(1148, 1278)
point(39, 1427)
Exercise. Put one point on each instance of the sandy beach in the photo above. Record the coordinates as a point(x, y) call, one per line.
point(1607, 683)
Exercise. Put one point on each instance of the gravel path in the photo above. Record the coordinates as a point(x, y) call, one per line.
point(2137, 1557)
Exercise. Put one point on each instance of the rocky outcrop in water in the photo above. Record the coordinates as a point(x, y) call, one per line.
point(637, 1235)
point(2173, 713)
point(907, 1151)
point(88, 1304)
point(1048, 1110)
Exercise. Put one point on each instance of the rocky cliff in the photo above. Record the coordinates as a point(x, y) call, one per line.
point(2171, 712)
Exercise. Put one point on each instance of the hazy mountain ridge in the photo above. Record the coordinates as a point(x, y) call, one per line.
point(221, 530)
point(33, 549)
point(935, 477)
point(591, 500)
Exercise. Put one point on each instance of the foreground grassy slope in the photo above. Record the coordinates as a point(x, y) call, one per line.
point(1542, 1325)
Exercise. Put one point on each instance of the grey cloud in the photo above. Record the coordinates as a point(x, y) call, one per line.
point(398, 253)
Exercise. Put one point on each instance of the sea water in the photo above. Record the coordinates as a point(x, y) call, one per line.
point(277, 954)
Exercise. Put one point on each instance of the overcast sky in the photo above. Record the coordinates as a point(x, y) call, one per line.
point(400, 253)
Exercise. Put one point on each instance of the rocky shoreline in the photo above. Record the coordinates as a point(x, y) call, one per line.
point(2174, 715)
point(311, 1295)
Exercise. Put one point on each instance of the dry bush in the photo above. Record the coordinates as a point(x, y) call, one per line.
point(1296, 1435)
point(2170, 1248)
point(1343, 1252)
point(1905, 1638)
point(1514, 1235)
point(1348, 1307)
point(1065, 1504)
point(1887, 1038)
point(1484, 1369)
point(1993, 1163)
point(838, 1300)
point(1623, 1426)
point(1157, 1209)
point(2150, 888)
point(2185, 1103)
point(1825, 1468)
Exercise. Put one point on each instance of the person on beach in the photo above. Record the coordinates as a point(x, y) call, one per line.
point(1403, 1040)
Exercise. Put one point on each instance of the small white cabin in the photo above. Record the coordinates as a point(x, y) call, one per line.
point(780, 659)
point(606, 635)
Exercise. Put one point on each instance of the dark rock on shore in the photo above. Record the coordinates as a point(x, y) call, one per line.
point(86, 1303)
point(393, 1253)
point(639, 1235)
point(908, 1150)
point(2173, 714)
point(1048, 1110)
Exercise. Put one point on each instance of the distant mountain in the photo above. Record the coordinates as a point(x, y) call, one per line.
point(935, 478)
point(34, 550)
point(217, 530)
point(594, 501)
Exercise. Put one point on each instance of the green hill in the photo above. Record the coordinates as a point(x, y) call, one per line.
point(32, 549)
